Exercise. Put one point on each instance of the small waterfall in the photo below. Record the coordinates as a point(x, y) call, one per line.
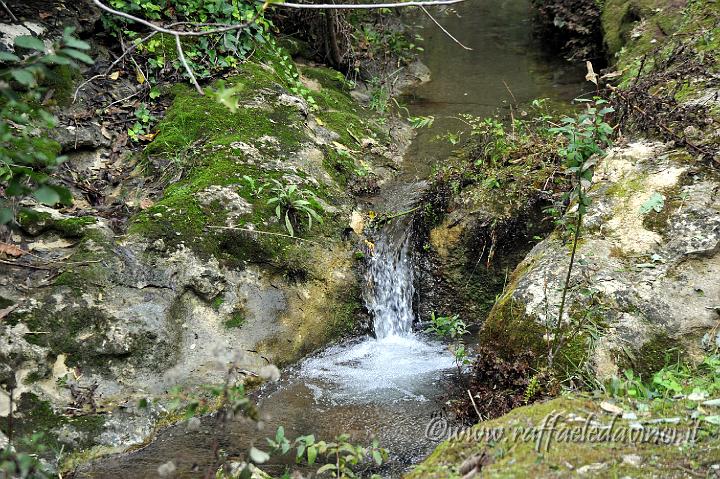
point(389, 278)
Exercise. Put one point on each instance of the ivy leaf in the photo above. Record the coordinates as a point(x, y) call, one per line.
point(23, 76)
point(29, 42)
point(78, 55)
point(655, 203)
point(47, 195)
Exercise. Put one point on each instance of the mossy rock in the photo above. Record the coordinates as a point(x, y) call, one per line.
point(59, 431)
point(529, 442)
point(36, 222)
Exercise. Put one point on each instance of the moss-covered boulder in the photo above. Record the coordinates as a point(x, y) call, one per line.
point(576, 436)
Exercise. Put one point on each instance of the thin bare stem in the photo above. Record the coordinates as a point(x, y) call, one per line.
point(181, 56)
point(566, 286)
point(366, 6)
point(472, 400)
point(443, 29)
point(14, 18)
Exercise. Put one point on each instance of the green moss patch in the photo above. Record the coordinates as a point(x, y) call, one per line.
point(36, 222)
point(518, 450)
point(37, 416)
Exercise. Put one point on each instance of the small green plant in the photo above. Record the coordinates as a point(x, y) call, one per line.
point(293, 204)
point(447, 326)
point(586, 138)
point(141, 127)
point(27, 155)
point(207, 55)
point(454, 328)
point(532, 389)
point(23, 465)
point(256, 188)
point(379, 95)
point(340, 455)
point(421, 121)
point(655, 203)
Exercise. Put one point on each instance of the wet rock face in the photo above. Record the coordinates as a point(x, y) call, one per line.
point(647, 265)
point(465, 259)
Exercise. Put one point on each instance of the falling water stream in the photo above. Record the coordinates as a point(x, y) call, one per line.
point(388, 386)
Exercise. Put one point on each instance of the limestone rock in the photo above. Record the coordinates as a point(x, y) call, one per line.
point(648, 276)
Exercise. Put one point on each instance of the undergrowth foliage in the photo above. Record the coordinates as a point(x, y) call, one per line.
point(206, 55)
point(27, 155)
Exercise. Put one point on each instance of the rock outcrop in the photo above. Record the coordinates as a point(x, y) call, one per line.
point(202, 274)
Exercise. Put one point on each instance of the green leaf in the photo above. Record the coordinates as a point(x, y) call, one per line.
point(655, 203)
point(55, 60)
point(712, 419)
point(8, 57)
point(326, 468)
point(73, 42)
point(288, 225)
point(6, 216)
point(78, 55)
point(29, 42)
point(47, 195)
point(257, 456)
point(312, 455)
point(23, 76)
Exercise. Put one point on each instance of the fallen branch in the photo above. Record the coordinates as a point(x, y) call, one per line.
point(271, 233)
point(366, 6)
point(397, 215)
point(22, 265)
point(181, 56)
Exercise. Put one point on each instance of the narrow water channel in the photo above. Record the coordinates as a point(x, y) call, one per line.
point(389, 386)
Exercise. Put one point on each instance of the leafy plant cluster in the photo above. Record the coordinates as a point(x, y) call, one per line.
point(454, 328)
point(23, 465)
point(206, 55)
point(585, 139)
point(338, 459)
point(27, 154)
point(380, 39)
point(294, 207)
point(678, 388)
point(285, 68)
point(340, 455)
point(673, 381)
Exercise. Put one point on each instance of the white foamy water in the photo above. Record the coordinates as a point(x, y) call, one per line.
point(394, 368)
